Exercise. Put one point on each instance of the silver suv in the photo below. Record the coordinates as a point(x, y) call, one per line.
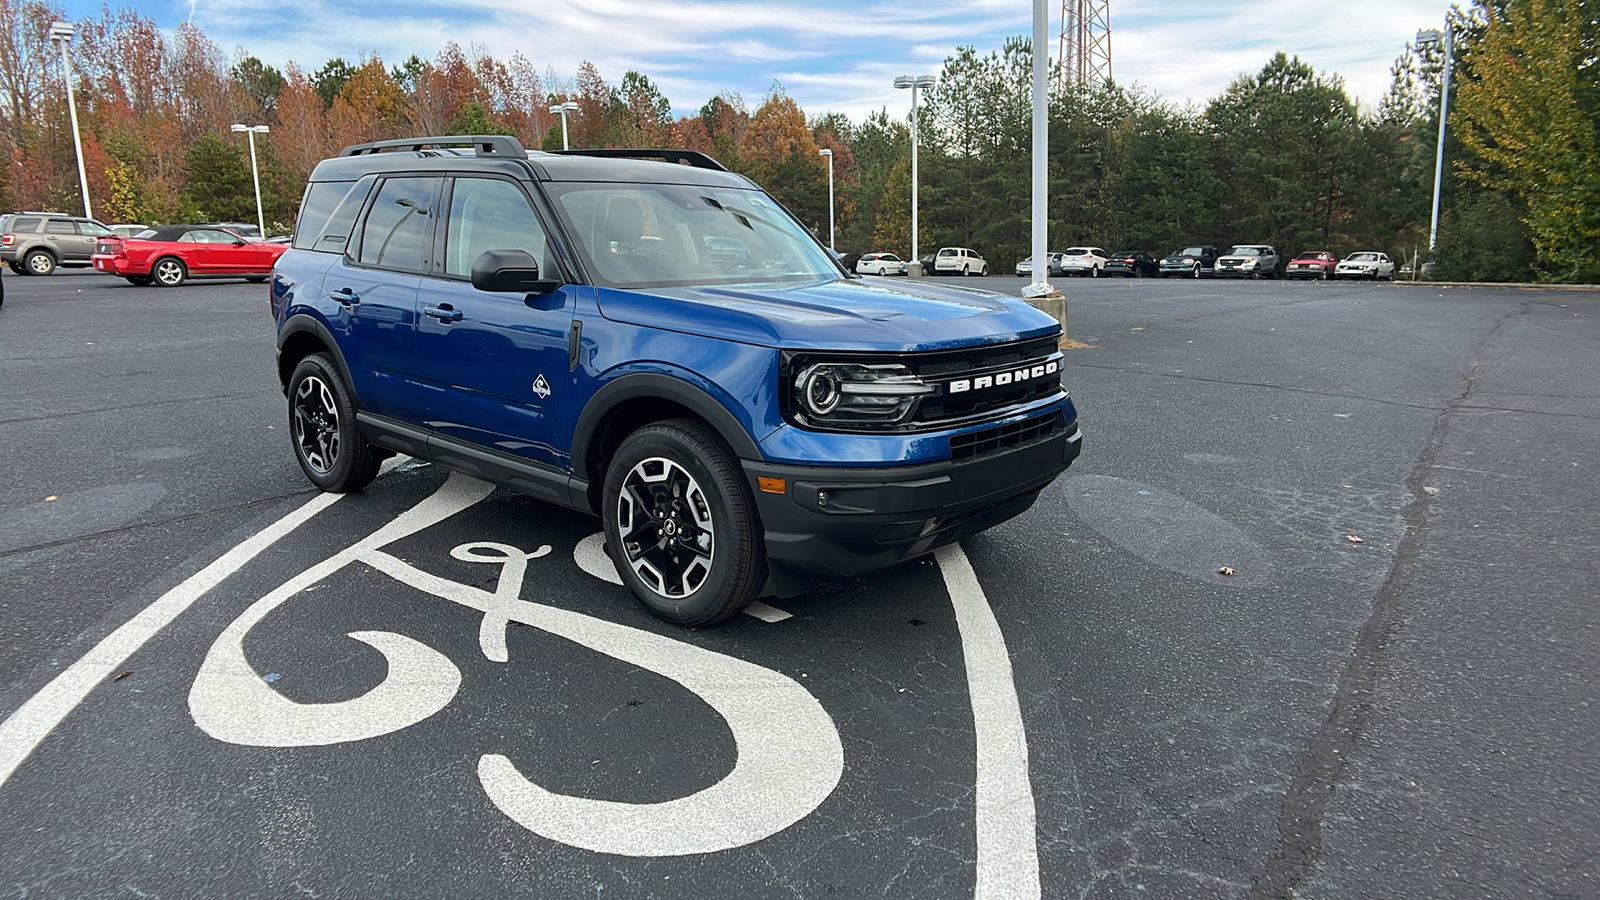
point(35, 243)
point(1249, 261)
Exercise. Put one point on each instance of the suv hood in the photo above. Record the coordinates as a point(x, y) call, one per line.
point(833, 315)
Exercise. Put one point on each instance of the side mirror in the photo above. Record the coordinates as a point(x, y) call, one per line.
point(509, 272)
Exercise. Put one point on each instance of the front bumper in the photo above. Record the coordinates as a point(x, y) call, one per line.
point(838, 522)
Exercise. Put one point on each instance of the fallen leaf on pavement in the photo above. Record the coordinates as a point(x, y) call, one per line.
point(1225, 570)
point(122, 676)
point(1353, 539)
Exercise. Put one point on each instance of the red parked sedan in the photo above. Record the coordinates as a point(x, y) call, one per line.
point(1312, 264)
point(169, 255)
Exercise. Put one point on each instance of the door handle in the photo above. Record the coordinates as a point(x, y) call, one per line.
point(345, 296)
point(444, 312)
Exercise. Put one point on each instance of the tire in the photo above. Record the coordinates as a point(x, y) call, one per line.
point(137, 280)
point(984, 272)
point(670, 487)
point(38, 262)
point(1094, 271)
point(965, 272)
point(322, 428)
point(1197, 270)
point(17, 268)
point(169, 271)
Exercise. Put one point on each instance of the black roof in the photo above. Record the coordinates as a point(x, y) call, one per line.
point(505, 155)
point(168, 232)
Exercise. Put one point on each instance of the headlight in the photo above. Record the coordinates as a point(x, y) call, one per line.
point(857, 394)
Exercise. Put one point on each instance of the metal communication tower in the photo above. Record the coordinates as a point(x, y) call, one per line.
point(1084, 53)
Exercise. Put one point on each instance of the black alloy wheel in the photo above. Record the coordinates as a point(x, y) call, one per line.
point(169, 271)
point(681, 525)
point(322, 424)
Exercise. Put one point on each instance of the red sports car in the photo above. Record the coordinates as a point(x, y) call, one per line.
point(1312, 264)
point(169, 255)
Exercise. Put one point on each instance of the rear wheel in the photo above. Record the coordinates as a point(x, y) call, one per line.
point(680, 524)
point(39, 262)
point(169, 271)
point(322, 424)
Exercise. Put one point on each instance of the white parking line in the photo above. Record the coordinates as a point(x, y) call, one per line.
point(24, 729)
point(1008, 845)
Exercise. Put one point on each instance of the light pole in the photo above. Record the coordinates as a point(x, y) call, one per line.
point(61, 35)
point(914, 83)
point(1432, 38)
point(255, 174)
point(563, 109)
point(829, 154)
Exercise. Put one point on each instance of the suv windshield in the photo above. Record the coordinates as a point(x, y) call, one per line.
point(1245, 251)
point(660, 235)
point(1191, 251)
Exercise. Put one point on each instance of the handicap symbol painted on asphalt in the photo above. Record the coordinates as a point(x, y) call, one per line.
point(789, 755)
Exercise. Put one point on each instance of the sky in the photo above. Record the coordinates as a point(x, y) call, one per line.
point(830, 55)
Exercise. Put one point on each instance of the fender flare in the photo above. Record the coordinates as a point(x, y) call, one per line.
point(666, 387)
point(303, 323)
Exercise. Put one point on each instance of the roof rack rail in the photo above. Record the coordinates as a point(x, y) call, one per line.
point(681, 157)
point(482, 145)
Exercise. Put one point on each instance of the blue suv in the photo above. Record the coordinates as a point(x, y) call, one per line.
point(645, 336)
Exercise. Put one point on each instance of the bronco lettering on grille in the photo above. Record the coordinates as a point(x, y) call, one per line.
point(1004, 378)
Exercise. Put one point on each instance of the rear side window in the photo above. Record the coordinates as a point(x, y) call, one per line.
point(948, 252)
point(329, 212)
point(398, 233)
point(24, 224)
point(59, 226)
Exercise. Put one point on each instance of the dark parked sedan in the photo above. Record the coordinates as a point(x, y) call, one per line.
point(1132, 263)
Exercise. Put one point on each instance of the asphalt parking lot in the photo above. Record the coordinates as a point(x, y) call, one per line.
point(215, 682)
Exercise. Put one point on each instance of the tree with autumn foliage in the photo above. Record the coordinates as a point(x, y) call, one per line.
point(1528, 110)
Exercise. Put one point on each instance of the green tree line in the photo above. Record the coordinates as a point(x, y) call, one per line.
point(1282, 156)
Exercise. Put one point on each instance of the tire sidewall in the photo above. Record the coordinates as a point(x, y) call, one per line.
point(355, 466)
point(183, 272)
point(28, 264)
point(738, 566)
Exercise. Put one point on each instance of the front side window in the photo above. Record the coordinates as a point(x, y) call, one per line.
point(94, 229)
point(398, 233)
point(489, 214)
point(212, 236)
point(659, 235)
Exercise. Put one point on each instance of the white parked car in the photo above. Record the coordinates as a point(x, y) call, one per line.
point(959, 261)
point(1090, 261)
point(880, 264)
point(1366, 264)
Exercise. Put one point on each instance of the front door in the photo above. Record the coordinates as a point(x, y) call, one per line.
point(496, 363)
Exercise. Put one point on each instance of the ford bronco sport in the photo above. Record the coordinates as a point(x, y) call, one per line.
point(645, 336)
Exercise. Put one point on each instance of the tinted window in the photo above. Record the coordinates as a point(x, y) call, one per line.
point(329, 212)
point(399, 228)
point(25, 224)
point(948, 251)
point(59, 226)
point(487, 214)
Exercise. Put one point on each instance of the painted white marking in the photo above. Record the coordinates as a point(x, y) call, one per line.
point(230, 702)
point(590, 555)
point(22, 731)
point(789, 756)
point(767, 613)
point(1008, 847)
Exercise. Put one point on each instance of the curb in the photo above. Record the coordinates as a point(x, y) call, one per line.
point(1502, 285)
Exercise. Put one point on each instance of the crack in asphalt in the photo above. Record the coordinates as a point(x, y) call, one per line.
point(158, 523)
point(145, 405)
point(1305, 805)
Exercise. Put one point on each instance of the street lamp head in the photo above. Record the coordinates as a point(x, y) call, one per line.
point(921, 81)
point(1429, 38)
point(62, 31)
point(825, 152)
point(238, 127)
point(568, 106)
point(904, 81)
point(925, 81)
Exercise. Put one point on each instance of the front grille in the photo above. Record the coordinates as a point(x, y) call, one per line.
point(970, 446)
point(949, 371)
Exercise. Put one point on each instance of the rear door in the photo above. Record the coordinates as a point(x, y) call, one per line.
point(375, 283)
point(61, 235)
point(496, 365)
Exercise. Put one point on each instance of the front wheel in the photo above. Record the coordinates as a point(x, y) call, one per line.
point(983, 272)
point(322, 423)
point(681, 525)
point(169, 271)
point(1197, 270)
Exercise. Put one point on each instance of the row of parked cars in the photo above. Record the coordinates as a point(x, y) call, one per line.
point(1201, 260)
point(1242, 261)
point(39, 243)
